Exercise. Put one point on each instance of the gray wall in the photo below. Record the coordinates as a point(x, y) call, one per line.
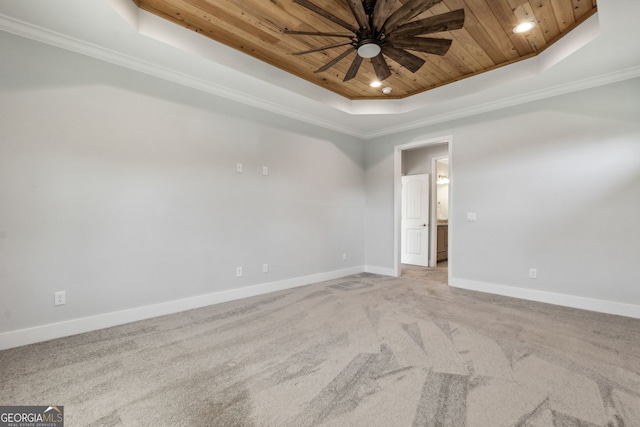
point(555, 185)
point(418, 160)
point(121, 190)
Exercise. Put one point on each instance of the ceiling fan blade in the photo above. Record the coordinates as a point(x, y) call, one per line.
point(318, 49)
point(407, 11)
point(353, 70)
point(316, 33)
point(422, 44)
point(433, 24)
point(334, 61)
point(380, 67)
point(381, 12)
point(407, 59)
point(357, 9)
point(312, 7)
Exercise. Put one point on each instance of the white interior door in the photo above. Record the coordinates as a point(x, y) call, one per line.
point(415, 220)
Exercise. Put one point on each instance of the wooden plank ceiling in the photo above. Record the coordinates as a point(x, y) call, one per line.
point(486, 41)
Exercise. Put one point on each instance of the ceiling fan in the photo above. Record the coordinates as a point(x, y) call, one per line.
point(382, 32)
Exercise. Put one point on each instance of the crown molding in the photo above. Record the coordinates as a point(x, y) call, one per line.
point(43, 35)
point(550, 92)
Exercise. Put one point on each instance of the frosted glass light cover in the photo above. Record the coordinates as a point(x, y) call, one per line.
point(368, 50)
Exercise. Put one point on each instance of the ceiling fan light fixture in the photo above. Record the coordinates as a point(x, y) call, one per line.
point(375, 83)
point(368, 49)
point(377, 22)
point(524, 27)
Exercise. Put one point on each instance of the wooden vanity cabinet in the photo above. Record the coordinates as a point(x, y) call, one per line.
point(442, 242)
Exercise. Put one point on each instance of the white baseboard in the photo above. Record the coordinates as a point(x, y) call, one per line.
point(591, 304)
point(379, 270)
point(86, 324)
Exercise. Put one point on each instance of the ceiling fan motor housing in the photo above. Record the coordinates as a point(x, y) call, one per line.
point(368, 42)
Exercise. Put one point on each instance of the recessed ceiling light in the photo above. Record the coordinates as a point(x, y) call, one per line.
point(524, 27)
point(375, 83)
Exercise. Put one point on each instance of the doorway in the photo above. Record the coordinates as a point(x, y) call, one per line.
point(412, 159)
point(441, 172)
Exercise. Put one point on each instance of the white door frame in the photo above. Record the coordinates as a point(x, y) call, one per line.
point(397, 194)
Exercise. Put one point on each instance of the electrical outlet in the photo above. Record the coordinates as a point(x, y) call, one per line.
point(265, 171)
point(238, 271)
point(471, 216)
point(265, 268)
point(344, 256)
point(239, 167)
point(533, 273)
point(60, 298)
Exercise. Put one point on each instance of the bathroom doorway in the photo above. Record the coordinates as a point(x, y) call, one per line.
point(417, 158)
point(441, 168)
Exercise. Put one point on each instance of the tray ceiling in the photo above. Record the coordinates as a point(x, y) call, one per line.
point(486, 42)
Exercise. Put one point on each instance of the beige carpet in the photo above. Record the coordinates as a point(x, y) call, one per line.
point(365, 350)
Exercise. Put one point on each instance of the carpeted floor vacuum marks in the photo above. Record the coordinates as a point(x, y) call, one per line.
point(364, 350)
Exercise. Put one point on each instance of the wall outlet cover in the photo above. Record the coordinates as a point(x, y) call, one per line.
point(60, 298)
